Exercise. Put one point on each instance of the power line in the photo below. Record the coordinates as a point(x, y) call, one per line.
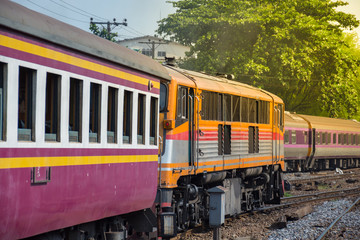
point(56, 12)
point(132, 32)
point(93, 15)
point(139, 33)
point(87, 16)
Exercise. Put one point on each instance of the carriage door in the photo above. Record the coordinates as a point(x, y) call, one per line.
point(278, 128)
point(276, 133)
point(185, 115)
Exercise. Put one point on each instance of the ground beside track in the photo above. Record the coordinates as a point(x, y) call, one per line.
point(257, 225)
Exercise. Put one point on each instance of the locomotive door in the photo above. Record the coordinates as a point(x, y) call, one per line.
point(191, 127)
point(185, 115)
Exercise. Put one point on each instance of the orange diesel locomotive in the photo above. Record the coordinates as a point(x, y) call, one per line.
point(216, 132)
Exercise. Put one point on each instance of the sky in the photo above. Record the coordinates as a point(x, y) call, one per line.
point(141, 15)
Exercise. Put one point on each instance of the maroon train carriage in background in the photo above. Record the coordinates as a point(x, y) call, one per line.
point(320, 143)
point(78, 131)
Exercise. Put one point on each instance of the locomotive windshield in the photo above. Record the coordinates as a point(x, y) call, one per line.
point(163, 97)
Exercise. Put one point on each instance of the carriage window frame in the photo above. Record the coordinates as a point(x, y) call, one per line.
point(153, 120)
point(286, 136)
point(27, 104)
point(52, 107)
point(141, 118)
point(75, 110)
point(127, 117)
point(3, 99)
point(95, 113)
point(112, 115)
point(293, 137)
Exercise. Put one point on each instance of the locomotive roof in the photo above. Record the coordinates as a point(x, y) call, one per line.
point(218, 84)
point(22, 19)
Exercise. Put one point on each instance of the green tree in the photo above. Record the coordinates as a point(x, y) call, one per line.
point(103, 32)
point(294, 48)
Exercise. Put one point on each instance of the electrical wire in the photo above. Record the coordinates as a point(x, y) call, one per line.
point(57, 13)
point(90, 14)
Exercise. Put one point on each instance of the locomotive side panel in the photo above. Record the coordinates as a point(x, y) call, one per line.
point(217, 133)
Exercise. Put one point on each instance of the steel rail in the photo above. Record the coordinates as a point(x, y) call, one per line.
point(347, 192)
point(318, 194)
point(337, 219)
point(312, 179)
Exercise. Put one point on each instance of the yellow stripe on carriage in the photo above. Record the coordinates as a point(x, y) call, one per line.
point(6, 163)
point(65, 58)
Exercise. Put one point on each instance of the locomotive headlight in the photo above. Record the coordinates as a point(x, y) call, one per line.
point(168, 224)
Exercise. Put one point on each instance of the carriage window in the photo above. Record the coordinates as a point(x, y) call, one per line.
point(127, 117)
point(354, 139)
point(52, 107)
point(75, 107)
point(3, 82)
point(252, 110)
point(324, 135)
point(236, 109)
point(182, 103)
point(245, 109)
point(286, 136)
point(346, 139)
point(318, 138)
point(227, 107)
point(95, 112)
point(293, 137)
point(305, 133)
point(26, 108)
point(112, 115)
point(334, 138)
point(153, 120)
point(141, 119)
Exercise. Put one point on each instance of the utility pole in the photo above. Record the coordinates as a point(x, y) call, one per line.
point(152, 46)
point(108, 23)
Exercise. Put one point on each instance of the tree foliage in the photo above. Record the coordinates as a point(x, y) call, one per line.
point(102, 32)
point(296, 49)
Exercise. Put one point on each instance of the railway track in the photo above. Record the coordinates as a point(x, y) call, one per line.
point(330, 227)
point(287, 203)
point(353, 173)
point(315, 197)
